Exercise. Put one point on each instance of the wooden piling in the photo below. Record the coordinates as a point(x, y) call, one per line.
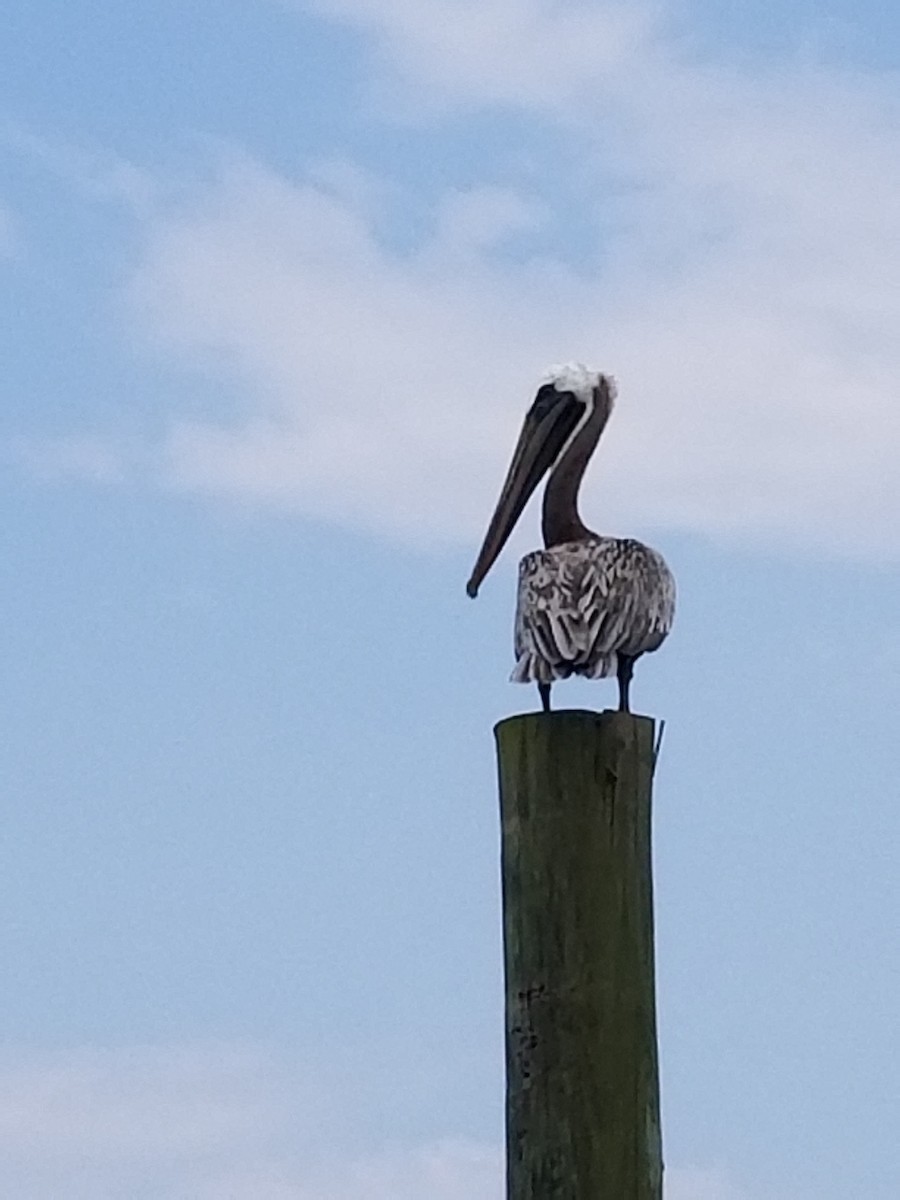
point(582, 1105)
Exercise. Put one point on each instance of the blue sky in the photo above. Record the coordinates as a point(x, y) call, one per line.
point(279, 280)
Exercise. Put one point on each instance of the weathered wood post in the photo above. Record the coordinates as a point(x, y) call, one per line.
point(582, 1106)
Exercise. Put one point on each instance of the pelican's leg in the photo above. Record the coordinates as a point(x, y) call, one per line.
point(544, 689)
point(624, 672)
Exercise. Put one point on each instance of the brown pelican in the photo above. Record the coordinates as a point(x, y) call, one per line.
point(587, 605)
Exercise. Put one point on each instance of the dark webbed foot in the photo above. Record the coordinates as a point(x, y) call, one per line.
point(544, 689)
point(624, 672)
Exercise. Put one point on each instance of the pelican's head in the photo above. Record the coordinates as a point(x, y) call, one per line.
point(567, 397)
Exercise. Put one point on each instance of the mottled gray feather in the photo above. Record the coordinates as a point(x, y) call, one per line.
point(582, 604)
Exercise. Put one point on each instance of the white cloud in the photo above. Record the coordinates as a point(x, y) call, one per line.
point(757, 366)
point(745, 296)
point(222, 1122)
point(539, 54)
point(367, 376)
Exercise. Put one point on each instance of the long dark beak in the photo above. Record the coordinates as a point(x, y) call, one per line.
point(540, 442)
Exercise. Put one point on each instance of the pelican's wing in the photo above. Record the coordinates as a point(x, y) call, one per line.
point(560, 625)
point(582, 604)
point(644, 593)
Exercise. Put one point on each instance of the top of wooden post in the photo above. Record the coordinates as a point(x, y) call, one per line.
point(608, 716)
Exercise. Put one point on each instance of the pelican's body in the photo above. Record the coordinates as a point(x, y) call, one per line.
point(582, 605)
point(587, 605)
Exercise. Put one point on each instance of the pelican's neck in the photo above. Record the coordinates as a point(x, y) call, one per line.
point(561, 521)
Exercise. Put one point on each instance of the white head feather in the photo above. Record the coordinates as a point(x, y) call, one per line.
point(576, 378)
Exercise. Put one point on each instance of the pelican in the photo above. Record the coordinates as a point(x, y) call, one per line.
point(587, 604)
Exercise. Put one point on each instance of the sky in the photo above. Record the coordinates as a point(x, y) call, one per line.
point(279, 280)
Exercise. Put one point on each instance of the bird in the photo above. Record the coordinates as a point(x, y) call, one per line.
point(587, 604)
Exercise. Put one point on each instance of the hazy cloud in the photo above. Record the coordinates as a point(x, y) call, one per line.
point(745, 294)
point(690, 1184)
point(221, 1122)
point(753, 346)
point(190, 1123)
point(537, 54)
point(76, 456)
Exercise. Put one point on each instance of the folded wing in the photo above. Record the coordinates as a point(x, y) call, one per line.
point(582, 604)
